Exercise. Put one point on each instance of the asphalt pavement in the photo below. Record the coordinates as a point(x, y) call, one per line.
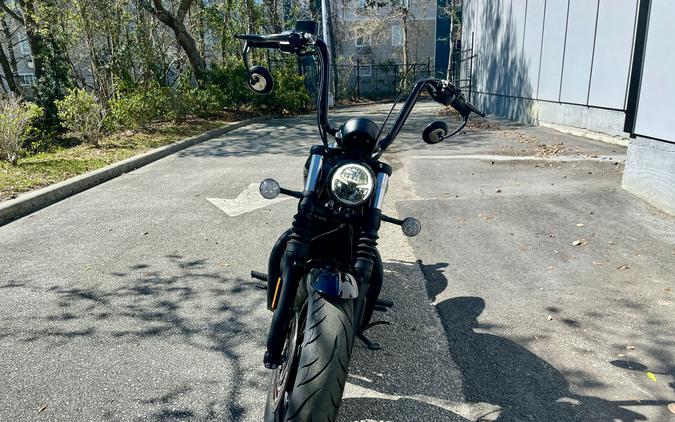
point(132, 302)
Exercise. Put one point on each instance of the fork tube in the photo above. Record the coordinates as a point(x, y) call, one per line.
point(315, 165)
point(381, 190)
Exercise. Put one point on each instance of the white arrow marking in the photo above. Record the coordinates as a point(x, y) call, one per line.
point(248, 200)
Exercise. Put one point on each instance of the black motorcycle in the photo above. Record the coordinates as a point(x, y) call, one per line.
point(325, 273)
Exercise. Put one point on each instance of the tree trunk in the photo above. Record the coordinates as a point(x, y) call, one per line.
point(7, 70)
point(250, 11)
point(183, 37)
point(189, 45)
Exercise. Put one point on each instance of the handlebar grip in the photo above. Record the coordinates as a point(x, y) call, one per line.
point(262, 38)
point(263, 41)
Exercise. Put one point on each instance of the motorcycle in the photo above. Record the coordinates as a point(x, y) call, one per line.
point(325, 273)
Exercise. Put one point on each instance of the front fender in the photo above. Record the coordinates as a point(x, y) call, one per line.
point(333, 283)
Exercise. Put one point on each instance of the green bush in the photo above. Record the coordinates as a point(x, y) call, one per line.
point(16, 118)
point(288, 96)
point(132, 109)
point(81, 113)
point(224, 89)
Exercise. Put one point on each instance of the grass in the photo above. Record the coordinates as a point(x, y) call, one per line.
point(61, 163)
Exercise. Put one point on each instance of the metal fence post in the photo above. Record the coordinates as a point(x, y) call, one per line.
point(358, 80)
point(471, 68)
point(428, 67)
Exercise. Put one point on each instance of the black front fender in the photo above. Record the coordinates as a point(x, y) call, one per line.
point(333, 283)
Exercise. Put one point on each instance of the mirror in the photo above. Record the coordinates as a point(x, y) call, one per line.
point(435, 132)
point(260, 80)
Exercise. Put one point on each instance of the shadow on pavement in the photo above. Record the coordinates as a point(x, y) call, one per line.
point(189, 306)
point(403, 409)
point(496, 370)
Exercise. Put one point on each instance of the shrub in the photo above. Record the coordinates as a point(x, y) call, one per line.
point(134, 108)
point(200, 102)
point(82, 114)
point(288, 96)
point(15, 120)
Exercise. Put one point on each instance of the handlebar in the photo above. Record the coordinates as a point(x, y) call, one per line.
point(441, 91)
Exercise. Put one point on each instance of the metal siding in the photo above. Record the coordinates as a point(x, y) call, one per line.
point(532, 46)
point(613, 44)
point(552, 50)
point(578, 51)
point(518, 10)
point(656, 106)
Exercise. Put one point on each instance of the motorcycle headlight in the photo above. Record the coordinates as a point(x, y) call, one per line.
point(352, 184)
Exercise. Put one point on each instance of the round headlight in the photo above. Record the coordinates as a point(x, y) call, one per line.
point(352, 184)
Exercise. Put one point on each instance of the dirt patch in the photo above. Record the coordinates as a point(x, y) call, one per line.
point(546, 150)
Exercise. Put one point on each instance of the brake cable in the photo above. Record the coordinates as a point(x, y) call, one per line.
point(384, 123)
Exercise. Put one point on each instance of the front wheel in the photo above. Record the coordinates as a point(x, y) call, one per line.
point(319, 367)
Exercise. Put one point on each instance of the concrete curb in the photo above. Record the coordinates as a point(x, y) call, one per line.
point(588, 134)
point(33, 201)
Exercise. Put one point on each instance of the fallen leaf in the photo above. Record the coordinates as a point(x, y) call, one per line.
point(610, 243)
point(597, 263)
point(144, 233)
point(522, 248)
point(42, 408)
point(629, 347)
point(580, 224)
point(623, 267)
point(620, 355)
point(651, 376)
point(550, 268)
point(671, 407)
point(550, 317)
point(668, 289)
point(576, 243)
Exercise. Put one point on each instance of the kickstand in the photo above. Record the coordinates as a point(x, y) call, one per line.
point(369, 344)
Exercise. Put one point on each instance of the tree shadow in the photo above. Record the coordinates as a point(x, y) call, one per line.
point(185, 304)
point(500, 69)
point(501, 372)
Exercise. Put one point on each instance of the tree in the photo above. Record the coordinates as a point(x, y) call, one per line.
point(38, 20)
point(177, 23)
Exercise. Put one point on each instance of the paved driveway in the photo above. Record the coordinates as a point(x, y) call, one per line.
point(131, 301)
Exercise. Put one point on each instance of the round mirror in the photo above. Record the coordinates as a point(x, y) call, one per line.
point(411, 227)
point(435, 132)
point(260, 80)
point(269, 188)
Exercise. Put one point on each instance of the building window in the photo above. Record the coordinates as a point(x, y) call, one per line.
point(362, 40)
point(27, 79)
point(396, 35)
point(24, 48)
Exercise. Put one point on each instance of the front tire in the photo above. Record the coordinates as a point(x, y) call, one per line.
point(323, 362)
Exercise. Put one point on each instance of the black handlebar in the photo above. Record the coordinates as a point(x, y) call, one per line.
point(440, 90)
